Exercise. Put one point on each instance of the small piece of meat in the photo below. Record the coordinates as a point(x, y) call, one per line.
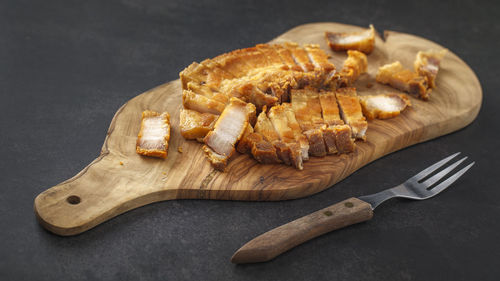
point(193, 101)
point(307, 107)
point(355, 65)
point(383, 106)
point(351, 111)
point(228, 130)
point(317, 145)
point(343, 140)
point(154, 134)
point(196, 125)
point(250, 93)
point(319, 58)
point(286, 57)
point(363, 41)
point(246, 142)
point(427, 64)
point(329, 108)
point(403, 79)
point(283, 151)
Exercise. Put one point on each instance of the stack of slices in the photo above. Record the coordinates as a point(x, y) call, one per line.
point(281, 103)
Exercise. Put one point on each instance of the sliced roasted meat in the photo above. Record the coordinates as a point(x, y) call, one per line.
point(427, 64)
point(329, 108)
point(277, 115)
point(307, 108)
point(351, 111)
point(343, 138)
point(193, 101)
point(246, 142)
point(403, 79)
point(227, 131)
point(363, 41)
point(297, 131)
point(154, 134)
point(355, 65)
point(196, 125)
point(384, 106)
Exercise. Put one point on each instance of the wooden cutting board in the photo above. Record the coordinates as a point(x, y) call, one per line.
point(120, 180)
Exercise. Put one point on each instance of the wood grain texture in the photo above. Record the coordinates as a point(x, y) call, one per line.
point(269, 245)
point(105, 188)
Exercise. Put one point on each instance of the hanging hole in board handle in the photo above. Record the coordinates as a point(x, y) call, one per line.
point(73, 200)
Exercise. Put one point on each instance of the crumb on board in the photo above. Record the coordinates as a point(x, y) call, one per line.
point(121, 163)
point(179, 149)
point(164, 173)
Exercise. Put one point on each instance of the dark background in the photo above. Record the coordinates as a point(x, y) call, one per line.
point(67, 66)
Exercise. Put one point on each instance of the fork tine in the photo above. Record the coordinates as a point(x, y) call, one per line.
point(432, 168)
point(442, 186)
point(428, 183)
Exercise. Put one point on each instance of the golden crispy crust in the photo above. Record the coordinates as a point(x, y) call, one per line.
point(319, 58)
point(195, 125)
point(363, 41)
point(154, 134)
point(351, 111)
point(384, 106)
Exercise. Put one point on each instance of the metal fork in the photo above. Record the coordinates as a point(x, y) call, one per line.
point(353, 210)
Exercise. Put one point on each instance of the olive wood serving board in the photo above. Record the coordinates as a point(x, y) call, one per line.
point(120, 180)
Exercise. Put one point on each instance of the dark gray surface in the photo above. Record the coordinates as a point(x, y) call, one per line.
point(67, 66)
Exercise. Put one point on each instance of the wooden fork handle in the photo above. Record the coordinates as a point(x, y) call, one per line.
point(281, 239)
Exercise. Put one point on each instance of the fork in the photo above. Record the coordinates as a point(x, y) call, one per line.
point(351, 211)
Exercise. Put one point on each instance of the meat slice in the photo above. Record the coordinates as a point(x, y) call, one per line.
point(319, 58)
point(307, 107)
point(154, 134)
point(232, 62)
point(300, 56)
point(196, 125)
point(317, 145)
point(343, 139)
point(383, 106)
point(351, 111)
point(329, 108)
point(228, 130)
point(427, 64)
point(355, 65)
point(290, 149)
point(214, 74)
point(363, 41)
point(193, 101)
point(329, 138)
point(297, 131)
point(403, 79)
point(265, 127)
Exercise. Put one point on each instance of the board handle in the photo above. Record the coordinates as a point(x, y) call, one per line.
point(281, 239)
point(95, 195)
